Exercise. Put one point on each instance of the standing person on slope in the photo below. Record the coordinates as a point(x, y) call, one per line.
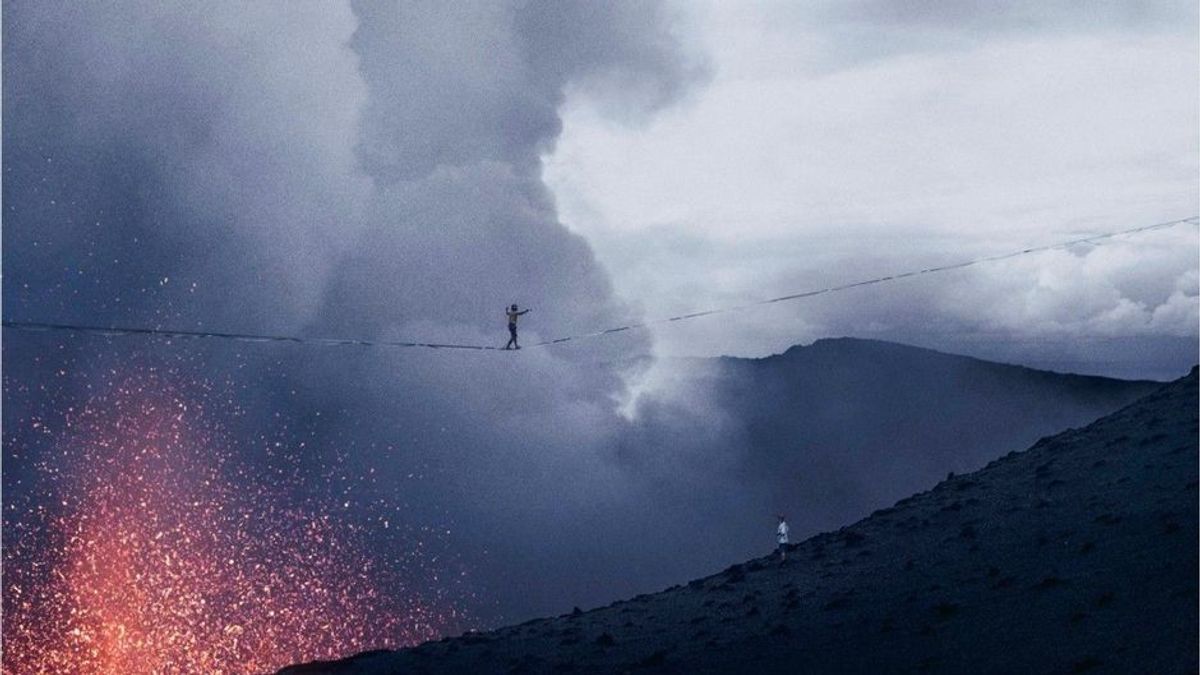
point(512, 326)
point(781, 536)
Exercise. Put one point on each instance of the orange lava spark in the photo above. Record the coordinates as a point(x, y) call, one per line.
point(162, 555)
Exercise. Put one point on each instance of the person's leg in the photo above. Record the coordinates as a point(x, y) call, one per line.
point(512, 336)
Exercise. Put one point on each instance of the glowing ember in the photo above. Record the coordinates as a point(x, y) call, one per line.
point(152, 550)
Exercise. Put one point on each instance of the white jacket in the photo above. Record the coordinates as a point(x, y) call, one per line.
point(781, 534)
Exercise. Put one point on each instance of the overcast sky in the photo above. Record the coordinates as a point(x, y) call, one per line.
point(837, 140)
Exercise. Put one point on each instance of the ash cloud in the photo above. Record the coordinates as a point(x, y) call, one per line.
point(463, 101)
point(176, 163)
point(372, 171)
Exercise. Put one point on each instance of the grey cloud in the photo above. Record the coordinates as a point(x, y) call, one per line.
point(159, 142)
point(292, 169)
point(463, 102)
point(1022, 16)
point(1071, 304)
point(471, 82)
point(865, 31)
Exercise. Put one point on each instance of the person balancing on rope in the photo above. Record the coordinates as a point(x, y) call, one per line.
point(513, 314)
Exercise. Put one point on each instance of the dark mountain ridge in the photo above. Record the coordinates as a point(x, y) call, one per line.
point(846, 425)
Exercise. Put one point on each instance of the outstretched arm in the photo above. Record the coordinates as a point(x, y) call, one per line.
point(525, 311)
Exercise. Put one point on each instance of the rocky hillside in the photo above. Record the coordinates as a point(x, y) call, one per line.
point(1076, 555)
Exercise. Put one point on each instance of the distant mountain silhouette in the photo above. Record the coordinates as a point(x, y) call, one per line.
point(846, 425)
point(1076, 555)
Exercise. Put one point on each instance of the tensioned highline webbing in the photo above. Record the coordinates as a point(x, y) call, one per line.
point(247, 337)
point(879, 280)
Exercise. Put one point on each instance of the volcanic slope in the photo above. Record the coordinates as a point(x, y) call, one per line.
point(844, 426)
point(1076, 555)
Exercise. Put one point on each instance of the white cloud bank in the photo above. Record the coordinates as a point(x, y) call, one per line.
point(836, 141)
